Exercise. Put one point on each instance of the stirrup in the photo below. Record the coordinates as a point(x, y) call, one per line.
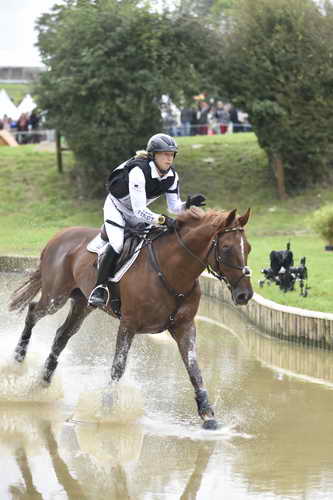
point(92, 298)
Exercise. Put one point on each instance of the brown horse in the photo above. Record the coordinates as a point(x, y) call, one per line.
point(160, 291)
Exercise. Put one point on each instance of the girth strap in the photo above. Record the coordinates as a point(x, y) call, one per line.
point(180, 297)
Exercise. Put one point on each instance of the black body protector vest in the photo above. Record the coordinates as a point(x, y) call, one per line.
point(118, 183)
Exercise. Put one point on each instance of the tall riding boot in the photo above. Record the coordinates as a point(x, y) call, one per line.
point(100, 295)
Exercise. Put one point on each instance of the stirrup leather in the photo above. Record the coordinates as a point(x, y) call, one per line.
point(96, 288)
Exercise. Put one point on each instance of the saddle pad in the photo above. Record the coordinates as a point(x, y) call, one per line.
point(97, 245)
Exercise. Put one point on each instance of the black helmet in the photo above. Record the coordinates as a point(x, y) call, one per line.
point(161, 142)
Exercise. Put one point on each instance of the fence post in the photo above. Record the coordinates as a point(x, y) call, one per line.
point(59, 151)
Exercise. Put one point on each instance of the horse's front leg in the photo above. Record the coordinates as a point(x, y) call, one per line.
point(185, 336)
point(124, 341)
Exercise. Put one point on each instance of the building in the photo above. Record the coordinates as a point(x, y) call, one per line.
point(19, 74)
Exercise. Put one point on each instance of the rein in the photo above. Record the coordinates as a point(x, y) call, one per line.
point(180, 297)
point(218, 259)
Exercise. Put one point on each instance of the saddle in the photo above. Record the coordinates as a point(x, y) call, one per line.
point(132, 238)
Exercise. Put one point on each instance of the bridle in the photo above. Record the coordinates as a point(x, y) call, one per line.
point(214, 270)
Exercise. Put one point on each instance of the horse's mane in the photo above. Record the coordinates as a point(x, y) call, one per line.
point(194, 214)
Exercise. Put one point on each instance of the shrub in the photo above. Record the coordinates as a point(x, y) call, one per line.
point(322, 223)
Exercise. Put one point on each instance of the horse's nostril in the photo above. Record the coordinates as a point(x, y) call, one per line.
point(243, 297)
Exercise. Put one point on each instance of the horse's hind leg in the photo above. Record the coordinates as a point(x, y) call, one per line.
point(36, 311)
point(185, 336)
point(78, 312)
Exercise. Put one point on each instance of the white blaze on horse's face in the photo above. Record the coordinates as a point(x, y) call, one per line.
point(242, 249)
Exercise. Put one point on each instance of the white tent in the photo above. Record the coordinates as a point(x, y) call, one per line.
point(7, 107)
point(27, 104)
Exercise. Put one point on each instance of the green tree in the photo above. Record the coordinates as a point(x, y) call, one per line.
point(277, 65)
point(212, 12)
point(108, 62)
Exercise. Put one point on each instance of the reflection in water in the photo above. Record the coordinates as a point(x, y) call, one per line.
point(275, 442)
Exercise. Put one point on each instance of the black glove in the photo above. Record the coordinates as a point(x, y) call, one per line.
point(195, 199)
point(170, 223)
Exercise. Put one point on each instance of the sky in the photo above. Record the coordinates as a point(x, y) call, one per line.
point(17, 34)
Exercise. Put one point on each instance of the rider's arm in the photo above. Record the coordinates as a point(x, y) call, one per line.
point(175, 204)
point(137, 191)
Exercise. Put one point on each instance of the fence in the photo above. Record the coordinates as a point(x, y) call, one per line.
point(311, 328)
point(33, 136)
point(188, 129)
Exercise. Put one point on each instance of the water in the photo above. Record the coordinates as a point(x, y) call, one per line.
point(274, 402)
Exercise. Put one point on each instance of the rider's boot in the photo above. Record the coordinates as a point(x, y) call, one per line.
point(100, 295)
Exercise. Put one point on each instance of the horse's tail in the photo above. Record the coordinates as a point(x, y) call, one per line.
point(26, 292)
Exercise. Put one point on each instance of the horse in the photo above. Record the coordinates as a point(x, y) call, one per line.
point(160, 291)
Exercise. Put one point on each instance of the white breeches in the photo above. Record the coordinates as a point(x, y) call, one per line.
point(115, 234)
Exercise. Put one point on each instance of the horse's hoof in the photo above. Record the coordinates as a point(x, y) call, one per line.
point(45, 380)
point(18, 357)
point(210, 425)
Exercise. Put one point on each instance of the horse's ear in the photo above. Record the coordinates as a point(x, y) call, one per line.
point(244, 218)
point(230, 218)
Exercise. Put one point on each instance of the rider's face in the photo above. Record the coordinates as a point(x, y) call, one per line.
point(164, 160)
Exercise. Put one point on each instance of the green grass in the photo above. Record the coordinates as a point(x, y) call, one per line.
point(318, 262)
point(16, 91)
point(35, 202)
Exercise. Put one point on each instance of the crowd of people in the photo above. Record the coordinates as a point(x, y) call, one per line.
point(23, 127)
point(203, 118)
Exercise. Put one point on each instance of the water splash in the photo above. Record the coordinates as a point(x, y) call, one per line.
point(193, 431)
point(117, 403)
point(21, 382)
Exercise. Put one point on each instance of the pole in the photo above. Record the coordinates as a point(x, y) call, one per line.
point(59, 151)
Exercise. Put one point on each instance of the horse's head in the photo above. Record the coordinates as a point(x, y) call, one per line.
point(228, 256)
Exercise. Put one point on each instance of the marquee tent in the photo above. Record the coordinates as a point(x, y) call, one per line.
point(27, 104)
point(7, 107)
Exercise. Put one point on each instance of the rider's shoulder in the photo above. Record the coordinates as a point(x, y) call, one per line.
point(137, 161)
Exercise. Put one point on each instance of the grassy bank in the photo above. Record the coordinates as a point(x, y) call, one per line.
point(35, 202)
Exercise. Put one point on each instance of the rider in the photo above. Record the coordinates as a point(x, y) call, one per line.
point(133, 185)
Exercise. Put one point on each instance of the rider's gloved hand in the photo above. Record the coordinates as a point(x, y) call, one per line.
point(169, 222)
point(195, 199)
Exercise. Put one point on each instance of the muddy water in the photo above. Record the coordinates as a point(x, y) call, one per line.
point(274, 402)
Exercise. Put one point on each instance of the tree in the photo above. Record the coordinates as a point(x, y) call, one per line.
point(108, 62)
point(277, 65)
point(212, 12)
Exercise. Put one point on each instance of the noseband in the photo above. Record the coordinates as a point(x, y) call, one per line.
point(215, 246)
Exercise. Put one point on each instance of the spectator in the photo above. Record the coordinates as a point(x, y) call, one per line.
point(202, 117)
point(194, 121)
point(34, 124)
point(222, 118)
point(6, 122)
point(22, 126)
point(236, 125)
point(171, 119)
point(244, 120)
point(186, 118)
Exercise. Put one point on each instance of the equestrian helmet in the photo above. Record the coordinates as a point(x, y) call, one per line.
point(159, 143)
